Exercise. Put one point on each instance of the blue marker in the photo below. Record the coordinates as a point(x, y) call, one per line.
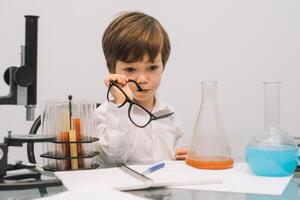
point(154, 168)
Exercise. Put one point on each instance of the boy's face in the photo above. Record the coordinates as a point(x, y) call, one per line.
point(147, 74)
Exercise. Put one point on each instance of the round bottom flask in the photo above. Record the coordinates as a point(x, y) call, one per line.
point(272, 152)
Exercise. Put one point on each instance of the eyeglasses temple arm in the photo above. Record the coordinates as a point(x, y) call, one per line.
point(163, 116)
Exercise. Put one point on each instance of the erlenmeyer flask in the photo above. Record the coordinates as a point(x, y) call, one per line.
point(272, 152)
point(209, 148)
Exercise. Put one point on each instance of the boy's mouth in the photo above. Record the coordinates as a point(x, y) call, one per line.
point(144, 91)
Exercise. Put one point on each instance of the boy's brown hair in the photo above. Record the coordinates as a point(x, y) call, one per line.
point(131, 36)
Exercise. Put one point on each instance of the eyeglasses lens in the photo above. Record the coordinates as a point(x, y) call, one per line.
point(115, 93)
point(138, 115)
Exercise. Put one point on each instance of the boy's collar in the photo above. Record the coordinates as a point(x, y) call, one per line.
point(159, 105)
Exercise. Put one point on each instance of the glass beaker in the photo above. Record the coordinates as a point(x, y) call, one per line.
point(272, 152)
point(209, 148)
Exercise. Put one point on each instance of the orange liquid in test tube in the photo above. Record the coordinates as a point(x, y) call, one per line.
point(77, 127)
point(210, 163)
point(73, 149)
point(64, 137)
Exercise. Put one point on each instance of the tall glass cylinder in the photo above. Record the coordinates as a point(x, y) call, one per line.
point(272, 152)
point(209, 148)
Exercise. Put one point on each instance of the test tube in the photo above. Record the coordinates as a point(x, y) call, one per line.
point(45, 146)
point(58, 128)
point(72, 137)
point(84, 131)
point(93, 130)
point(77, 126)
point(90, 120)
point(86, 120)
point(51, 131)
point(63, 121)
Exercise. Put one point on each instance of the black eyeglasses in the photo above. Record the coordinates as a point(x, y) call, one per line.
point(137, 114)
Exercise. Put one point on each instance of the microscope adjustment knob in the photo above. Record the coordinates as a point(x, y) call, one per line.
point(24, 76)
point(7, 75)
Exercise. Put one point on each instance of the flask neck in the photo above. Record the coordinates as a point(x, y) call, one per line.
point(209, 90)
point(271, 104)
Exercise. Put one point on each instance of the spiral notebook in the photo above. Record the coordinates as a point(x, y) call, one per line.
point(127, 178)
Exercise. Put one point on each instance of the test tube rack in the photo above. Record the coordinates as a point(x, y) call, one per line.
point(65, 162)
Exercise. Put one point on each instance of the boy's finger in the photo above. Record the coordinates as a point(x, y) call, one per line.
point(119, 78)
point(184, 151)
point(181, 151)
point(181, 157)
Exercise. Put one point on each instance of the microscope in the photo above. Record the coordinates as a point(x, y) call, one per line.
point(22, 81)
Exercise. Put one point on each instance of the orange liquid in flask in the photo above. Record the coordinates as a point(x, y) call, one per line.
point(210, 163)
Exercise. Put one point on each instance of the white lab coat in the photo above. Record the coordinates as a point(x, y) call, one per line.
point(122, 141)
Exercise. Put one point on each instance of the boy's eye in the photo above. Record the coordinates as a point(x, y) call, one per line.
point(152, 67)
point(129, 69)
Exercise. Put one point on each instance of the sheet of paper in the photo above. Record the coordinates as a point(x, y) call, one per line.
point(95, 192)
point(110, 177)
point(175, 173)
point(240, 179)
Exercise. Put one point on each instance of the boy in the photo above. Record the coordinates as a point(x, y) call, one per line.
point(136, 49)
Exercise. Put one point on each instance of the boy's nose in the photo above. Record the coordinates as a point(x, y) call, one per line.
point(142, 79)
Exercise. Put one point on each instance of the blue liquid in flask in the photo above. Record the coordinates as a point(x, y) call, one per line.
point(279, 160)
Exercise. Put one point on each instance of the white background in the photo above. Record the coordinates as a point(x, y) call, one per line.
point(239, 43)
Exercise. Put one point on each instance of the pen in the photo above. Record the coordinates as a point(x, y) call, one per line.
point(154, 168)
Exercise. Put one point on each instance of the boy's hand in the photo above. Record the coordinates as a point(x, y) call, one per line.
point(180, 153)
point(121, 80)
